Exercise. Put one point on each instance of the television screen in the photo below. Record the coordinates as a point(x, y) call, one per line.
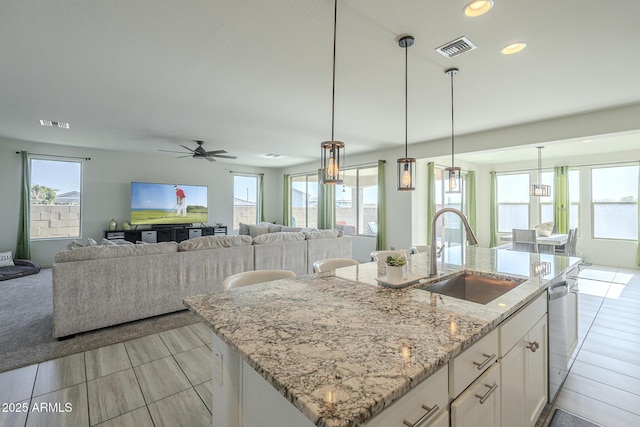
point(153, 203)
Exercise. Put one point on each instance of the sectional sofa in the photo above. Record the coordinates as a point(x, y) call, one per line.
point(100, 286)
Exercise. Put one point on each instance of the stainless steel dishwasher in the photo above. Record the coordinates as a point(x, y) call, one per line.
point(562, 328)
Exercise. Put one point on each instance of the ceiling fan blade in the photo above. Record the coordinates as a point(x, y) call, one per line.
point(224, 157)
point(209, 153)
point(169, 151)
point(187, 148)
point(182, 157)
point(211, 159)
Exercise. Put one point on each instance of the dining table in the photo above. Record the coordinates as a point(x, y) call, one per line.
point(548, 243)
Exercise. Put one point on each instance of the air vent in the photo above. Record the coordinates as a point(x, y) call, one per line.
point(456, 47)
point(272, 155)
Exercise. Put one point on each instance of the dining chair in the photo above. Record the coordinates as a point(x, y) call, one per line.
point(256, 276)
point(524, 240)
point(569, 248)
point(330, 264)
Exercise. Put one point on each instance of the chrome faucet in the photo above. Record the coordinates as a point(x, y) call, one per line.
point(433, 263)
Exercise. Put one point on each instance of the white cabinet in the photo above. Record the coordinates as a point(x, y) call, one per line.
point(472, 362)
point(523, 368)
point(479, 405)
point(424, 406)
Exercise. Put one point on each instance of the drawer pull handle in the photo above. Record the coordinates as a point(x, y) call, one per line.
point(489, 358)
point(430, 412)
point(492, 388)
point(533, 346)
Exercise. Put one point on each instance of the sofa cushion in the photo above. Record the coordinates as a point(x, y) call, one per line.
point(257, 230)
point(277, 238)
point(243, 229)
point(213, 242)
point(323, 234)
point(275, 228)
point(117, 251)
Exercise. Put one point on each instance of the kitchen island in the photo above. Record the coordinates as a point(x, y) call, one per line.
point(342, 348)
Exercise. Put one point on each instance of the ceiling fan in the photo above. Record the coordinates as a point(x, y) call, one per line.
point(200, 153)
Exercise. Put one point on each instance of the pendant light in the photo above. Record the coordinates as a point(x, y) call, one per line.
point(406, 165)
point(539, 189)
point(332, 152)
point(452, 173)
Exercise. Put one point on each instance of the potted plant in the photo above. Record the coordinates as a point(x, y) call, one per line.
point(395, 267)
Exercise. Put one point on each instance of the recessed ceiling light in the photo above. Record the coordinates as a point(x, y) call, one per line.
point(512, 48)
point(478, 7)
point(586, 140)
point(51, 123)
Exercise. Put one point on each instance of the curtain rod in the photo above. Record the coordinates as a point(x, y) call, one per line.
point(53, 155)
point(247, 173)
point(626, 162)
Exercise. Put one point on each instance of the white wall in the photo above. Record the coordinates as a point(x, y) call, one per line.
point(106, 188)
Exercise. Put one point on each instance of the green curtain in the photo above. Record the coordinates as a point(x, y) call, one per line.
point(493, 220)
point(381, 237)
point(326, 204)
point(471, 199)
point(286, 208)
point(23, 246)
point(431, 197)
point(260, 197)
point(561, 198)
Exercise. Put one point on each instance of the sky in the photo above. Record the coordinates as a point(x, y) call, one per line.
point(62, 176)
point(245, 187)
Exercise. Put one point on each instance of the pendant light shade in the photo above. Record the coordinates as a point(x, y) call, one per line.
point(539, 189)
point(332, 152)
point(406, 164)
point(453, 173)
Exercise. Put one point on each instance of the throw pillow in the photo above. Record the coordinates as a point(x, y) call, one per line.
point(107, 242)
point(544, 229)
point(6, 260)
point(255, 230)
point(243, 229)
point(75, 244)
point(275, 228)
point(91, 242)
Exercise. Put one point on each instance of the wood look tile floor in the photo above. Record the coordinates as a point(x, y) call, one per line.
point(163, 379)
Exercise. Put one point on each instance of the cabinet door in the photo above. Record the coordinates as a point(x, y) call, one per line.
point(513, 385)
point(479, 405)
point(536, 393)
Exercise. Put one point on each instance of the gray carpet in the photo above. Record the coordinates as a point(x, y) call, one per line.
point(26, 324)
point(566, 419)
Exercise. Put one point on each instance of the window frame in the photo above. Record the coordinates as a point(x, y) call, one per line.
point(528, 203)
point(80, 200)
point(593, 204)
point(359, 205)
point(307, 177)
point(257, 189)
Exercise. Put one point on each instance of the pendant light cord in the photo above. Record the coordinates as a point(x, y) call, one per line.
point(406, 102)
point(452, 119)
point(333, 81)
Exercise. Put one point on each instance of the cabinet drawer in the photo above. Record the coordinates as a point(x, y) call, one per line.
point(517, 326)
point(479, 405)
point(430, 392)
point(467, 366)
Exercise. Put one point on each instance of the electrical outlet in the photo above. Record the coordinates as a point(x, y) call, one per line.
point(217, 366)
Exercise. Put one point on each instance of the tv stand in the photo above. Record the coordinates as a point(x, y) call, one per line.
point(165, 234)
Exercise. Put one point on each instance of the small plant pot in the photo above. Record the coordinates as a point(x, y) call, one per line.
point(394, 274)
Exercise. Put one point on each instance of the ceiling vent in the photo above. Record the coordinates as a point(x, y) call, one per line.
point(456, 47)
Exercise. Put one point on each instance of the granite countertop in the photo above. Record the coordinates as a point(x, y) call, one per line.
point(341, 348)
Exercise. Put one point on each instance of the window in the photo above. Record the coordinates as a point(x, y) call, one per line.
point(513, 201)
point(304, 201)
point(55, 199)
point(245, 200)
point(449, 230)
point(574, 198)
point(357, 202)
point(546, 202)
point(614, 200)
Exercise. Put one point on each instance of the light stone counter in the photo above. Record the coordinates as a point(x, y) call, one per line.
point(362, 344)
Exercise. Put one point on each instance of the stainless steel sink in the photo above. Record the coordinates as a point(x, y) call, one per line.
point(474, 287)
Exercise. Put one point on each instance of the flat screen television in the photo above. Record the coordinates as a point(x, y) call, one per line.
point(168, 204)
